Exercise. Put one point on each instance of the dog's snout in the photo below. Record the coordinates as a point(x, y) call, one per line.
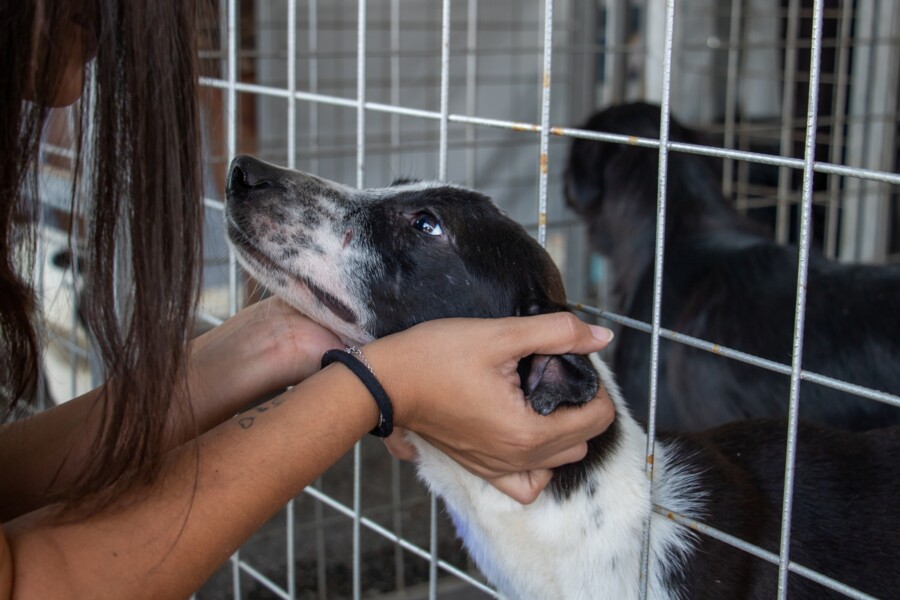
point(248, 174)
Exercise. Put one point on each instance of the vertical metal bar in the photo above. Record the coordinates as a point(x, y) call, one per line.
point(291, 164)
point(395, 86)
point(360, 183)
point(361, 96)
point(442, 175)
point(735, 41)
point(396, 493)
point(471, 91)
point(783, 213)
point(658, 276)
point(797, 356)
point(231, 136)
point(292, 84)
point(231, 150)
point(397, 525)
point(546, 78)
point(445, 89)
point(312, 35)
point(837, 128)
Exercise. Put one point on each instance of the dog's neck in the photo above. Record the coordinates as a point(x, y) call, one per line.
point(625, 227)
point(606, 506)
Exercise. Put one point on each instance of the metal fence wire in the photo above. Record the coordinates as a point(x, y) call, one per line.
point(488, 94)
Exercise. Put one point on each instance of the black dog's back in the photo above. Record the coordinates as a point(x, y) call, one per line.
point(843, 508)
point(726, 282)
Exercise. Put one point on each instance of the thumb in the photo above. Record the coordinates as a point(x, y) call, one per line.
point(554, 333)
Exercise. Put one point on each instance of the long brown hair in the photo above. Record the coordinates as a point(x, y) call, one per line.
point(140, 161)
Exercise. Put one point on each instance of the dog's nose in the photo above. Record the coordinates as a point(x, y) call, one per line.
point(248, 174)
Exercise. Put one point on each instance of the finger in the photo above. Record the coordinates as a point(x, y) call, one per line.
point(523, 487)
point(555, 333)
point(399, 446)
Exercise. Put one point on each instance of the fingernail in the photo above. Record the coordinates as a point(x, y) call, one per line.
point(601, 333)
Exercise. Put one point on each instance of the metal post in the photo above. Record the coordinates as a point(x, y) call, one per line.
point(360, 183)
point(658, 276)
point(231, 150)
point(804, 242)
point(471, 91)
point(291, 164)
point(546, 78)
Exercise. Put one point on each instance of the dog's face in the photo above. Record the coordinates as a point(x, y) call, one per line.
point(368, 263)
point(585, 177)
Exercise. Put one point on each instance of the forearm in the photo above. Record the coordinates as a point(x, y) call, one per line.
point(42, 454)
point(164, 541)
point(263, 349)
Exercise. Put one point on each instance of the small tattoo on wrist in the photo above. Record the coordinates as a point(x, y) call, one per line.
point(246, 421)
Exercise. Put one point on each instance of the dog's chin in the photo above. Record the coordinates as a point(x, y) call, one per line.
point(306, 301)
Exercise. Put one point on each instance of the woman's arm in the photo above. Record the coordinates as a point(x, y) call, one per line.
point(166, 539)
point(262, 349)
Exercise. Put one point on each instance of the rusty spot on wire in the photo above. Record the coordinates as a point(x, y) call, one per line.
point(632, 140)
point(546, 79)
point(523, 127)
point(542, 219)
point(543, 163)
point(650, 459)
point(716, 349)
point(557, 131)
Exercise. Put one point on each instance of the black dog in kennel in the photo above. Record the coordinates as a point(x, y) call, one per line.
point(725, 281)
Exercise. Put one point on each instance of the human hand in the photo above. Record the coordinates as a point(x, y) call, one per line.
point(454, 382)
point(264, 348)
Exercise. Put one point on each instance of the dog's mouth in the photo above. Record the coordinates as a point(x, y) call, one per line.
point(243, 242)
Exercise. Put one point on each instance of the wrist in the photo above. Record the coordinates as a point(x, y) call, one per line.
point(356, 362)
point(394, 378)
point(230, 368)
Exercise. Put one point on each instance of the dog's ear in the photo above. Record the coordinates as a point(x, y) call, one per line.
point(549, 381)
point(583, 179)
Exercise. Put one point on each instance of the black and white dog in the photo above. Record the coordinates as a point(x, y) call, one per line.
point(366, 263)
point(726, 282)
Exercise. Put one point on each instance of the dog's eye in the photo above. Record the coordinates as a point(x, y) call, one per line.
point(427, 223)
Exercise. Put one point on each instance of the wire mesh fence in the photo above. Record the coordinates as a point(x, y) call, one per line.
point(796, 98)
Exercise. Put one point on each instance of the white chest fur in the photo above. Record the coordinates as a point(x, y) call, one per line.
point(585, 546)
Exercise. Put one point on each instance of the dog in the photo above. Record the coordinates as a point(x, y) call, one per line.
point(725, 281)
point(367, 263)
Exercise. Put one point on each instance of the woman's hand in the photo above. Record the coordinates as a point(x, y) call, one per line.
point(264, 348)
point(454, 382)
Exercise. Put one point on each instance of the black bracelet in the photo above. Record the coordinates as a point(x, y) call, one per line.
point(362, 370)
